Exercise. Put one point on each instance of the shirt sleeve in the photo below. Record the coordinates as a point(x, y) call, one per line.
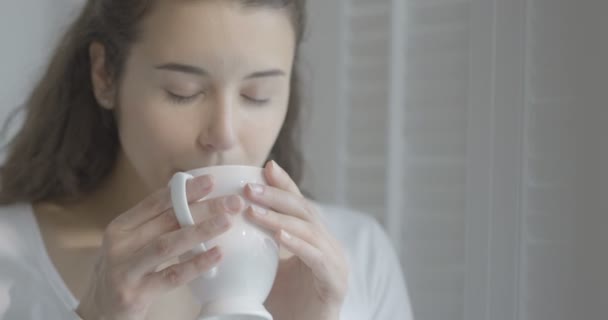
point(388, 292)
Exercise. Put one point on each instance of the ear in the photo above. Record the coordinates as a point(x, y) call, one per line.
point(103, 86)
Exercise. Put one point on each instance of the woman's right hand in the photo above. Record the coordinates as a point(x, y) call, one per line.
point(126, 278)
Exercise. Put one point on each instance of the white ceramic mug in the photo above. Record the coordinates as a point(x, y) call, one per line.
point(238, 286)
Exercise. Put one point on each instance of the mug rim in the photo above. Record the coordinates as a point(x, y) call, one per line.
point(234, 166)
point(226, 169)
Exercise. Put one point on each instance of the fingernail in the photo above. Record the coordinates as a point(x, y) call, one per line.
point(259, 210)
point(232, 203)
point(274, 165)
point(256, 188)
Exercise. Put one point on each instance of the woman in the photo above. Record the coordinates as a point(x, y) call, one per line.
point(136, 91)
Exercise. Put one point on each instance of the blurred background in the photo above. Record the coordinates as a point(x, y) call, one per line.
point(475, 131)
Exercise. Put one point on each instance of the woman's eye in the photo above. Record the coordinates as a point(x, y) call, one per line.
point(255, 101)
point(179, 99)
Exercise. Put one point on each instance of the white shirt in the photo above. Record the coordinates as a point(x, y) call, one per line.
point(32, 289)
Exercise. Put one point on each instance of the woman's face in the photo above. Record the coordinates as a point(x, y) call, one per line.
point(206, 84)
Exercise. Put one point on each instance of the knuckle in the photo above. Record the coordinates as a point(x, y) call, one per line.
point(269, 222)
point(156, 201)
point(322, 263)
point(123, 298)
point(113, 251)
point(173, 276)
point(217, 205)
point(309, 208)
point(126, 299)
point(205, 209)
point(197, 187)
point(278, 223)
point(168, 219)
point(125, 290)
point(314, 234)
point(282, 222)
point(202, 263)
point(205, 228)
point(163, 247)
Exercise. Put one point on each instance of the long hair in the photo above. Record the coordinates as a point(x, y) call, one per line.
point(68, 143)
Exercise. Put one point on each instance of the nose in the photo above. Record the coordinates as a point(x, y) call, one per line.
point(219, 129)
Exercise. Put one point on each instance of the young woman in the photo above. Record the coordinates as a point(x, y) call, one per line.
point(136, 91)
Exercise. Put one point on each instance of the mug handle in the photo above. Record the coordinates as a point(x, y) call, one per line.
point(183, 214)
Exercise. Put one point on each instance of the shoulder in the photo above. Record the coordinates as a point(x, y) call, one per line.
point(344, 219)
point(15, 227)
point(17, 257)
point(357, 229)
point(25, 291)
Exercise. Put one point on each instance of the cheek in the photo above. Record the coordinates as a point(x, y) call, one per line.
point(259, 133)
point(151, 132)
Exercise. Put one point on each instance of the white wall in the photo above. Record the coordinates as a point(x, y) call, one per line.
point(29, 30)
point(24, 37)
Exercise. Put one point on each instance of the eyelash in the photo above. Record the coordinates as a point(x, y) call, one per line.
point(256, 102)
point(177, 99)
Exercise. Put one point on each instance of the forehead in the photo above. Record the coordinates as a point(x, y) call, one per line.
point(222, 30)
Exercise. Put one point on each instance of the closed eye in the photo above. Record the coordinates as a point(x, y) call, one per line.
point(255, 101)
point(179, 99)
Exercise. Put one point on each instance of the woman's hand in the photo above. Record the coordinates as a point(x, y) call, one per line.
point(312, 283)
point(126, 278)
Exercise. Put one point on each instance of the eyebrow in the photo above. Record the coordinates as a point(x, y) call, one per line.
point(267, 73)
point(189, 69)
point(183, 68)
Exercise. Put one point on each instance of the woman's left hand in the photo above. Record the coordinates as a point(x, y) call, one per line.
point(313, 281)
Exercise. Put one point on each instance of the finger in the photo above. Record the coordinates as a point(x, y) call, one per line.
point(160, 201)
point(278, 177)
point(276, 222)
point(176, 243)
point(231, 204)
point(309, 254)
point(281, 201)
point(182, 273)
point(201, 211)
